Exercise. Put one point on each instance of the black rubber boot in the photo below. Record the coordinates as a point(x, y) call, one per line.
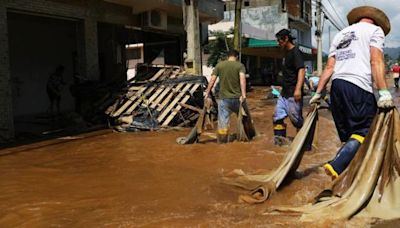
point(343, 157)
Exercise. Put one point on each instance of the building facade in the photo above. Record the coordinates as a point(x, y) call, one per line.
point(89, 38)
point(261, 20)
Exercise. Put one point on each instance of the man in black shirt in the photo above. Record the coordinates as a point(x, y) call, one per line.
point(290, 103)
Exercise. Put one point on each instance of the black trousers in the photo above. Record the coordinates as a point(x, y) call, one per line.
point(353, 109)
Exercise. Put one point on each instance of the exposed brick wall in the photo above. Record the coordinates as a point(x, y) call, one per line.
point(293, 7)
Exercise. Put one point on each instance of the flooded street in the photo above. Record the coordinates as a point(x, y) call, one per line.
point(145, 179)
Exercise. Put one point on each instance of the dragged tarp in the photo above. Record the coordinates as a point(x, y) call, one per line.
point(370, 186)
point(261, 186)
point(245, 126)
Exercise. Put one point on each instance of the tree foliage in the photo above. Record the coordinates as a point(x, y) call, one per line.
point(218, 48)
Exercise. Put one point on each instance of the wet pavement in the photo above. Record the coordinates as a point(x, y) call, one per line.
point(147, 180)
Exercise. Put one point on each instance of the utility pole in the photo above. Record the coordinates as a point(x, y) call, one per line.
point(191, 24)
point(329, 32)
point(318, 34)
point(238, 24)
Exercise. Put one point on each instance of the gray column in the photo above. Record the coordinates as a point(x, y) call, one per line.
point(6, 108)
point(191, 23)
point(91, 49)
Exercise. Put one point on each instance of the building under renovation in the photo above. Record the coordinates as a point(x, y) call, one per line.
point(261, 20)
point(95, 41)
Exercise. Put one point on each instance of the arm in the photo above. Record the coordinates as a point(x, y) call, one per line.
point(243, 85)
point(326, 74)
point(378, 68)
point(311, 85)
point(299, 85)
point(378, 74)
point(210, 85)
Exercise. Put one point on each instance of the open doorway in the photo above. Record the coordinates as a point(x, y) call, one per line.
point(39, 48)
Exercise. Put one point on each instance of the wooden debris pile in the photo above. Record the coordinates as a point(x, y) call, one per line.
point(163, 98)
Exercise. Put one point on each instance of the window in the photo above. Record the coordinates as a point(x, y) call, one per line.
point(134, 53)
point(246, 3)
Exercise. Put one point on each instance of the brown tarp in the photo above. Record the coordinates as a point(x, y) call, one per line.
point(261, 186)
point(370, 187)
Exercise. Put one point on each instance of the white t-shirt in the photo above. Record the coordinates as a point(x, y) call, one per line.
point(351, 48)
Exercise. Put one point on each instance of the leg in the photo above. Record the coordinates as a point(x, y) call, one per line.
point(339, 113)
point(278, 121)
point(223, 121)
point(58, 100)
point(396, 82)
point(361, 109)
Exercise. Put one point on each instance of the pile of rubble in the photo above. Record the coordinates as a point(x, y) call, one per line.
point(158, 97)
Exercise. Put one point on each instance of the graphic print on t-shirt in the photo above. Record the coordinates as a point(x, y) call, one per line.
point(344, 43)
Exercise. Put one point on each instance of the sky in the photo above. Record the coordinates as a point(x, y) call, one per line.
point(343, 7)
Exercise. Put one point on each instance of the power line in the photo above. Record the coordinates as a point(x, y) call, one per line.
point(338, 16)
point(332, 19)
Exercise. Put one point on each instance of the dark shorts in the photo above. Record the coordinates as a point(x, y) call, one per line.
point(353, 109)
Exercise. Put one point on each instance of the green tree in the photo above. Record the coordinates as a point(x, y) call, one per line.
point(218, 48)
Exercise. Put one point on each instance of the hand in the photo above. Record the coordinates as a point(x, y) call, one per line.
point(206, 95)
point(242, 98)
point(297, 95)
point(385, 99)
point(315, 99)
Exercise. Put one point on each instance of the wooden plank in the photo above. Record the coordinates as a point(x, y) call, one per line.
point(168, 91)
point(161, 88)
point(134, 88)
point(143, 97)
point(172, 104)
point(178, 108)
point(189, 120)
point(190, 107)
point(137, 95)
point(165, 92)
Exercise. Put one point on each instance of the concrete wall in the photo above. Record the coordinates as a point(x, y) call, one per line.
point(89, 12)
point(6, 117)
point(253, 3)
point(261, 22)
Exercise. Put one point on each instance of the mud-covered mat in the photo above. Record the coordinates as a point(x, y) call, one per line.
point(245, 125)
point(261, 186)
point(370, 186)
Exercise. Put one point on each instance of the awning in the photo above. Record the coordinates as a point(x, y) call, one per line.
point(255, 43)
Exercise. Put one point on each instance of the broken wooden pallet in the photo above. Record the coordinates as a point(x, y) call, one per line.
point(164, 93)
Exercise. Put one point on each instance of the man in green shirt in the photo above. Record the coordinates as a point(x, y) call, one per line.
point(232, 82)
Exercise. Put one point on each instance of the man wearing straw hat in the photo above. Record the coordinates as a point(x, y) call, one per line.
point(356, 61)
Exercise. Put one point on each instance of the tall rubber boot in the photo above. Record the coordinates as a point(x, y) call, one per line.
point(280, 134)
point(344, 156)
point(222, 136)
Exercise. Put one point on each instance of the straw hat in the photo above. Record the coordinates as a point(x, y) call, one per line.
point(377, 15)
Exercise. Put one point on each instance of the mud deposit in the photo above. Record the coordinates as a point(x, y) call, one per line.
point(147, 180)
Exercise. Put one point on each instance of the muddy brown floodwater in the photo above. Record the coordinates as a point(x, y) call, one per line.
point(145, 179)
